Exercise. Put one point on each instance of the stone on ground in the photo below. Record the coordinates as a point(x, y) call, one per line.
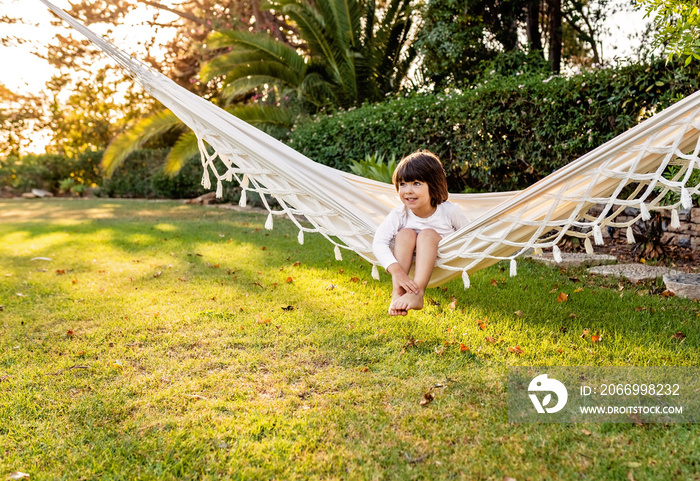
point(633, 272)
point(683, 285)
point(576, 259)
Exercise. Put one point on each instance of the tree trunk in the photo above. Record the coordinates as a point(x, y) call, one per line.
point(555, 35)
point(534, 36)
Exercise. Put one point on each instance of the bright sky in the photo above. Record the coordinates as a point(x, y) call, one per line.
point(31, 72)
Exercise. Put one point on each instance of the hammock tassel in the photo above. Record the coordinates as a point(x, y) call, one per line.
point(686, 200)
point(675, 219)
point(206, 181)
point(630, 235)
point(645, 212)
point(556, 254)
point(465, 279)
point(513, 268)
point(269, 222)
point(589, 247)
point(375, 272)
point(300, 237)
point(219, 189)
point(339, 256)
point(244, 187)
point(598, 235)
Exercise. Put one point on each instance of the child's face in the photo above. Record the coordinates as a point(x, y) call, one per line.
point(415, 195)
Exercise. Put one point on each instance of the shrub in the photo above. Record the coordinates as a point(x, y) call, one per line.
point(142, 176)
point(504, 134)
point(48, 171)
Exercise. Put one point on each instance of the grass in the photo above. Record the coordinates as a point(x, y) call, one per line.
point(171, 341)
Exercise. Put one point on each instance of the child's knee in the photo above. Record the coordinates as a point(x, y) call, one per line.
point(406, 235)
point(429, 235)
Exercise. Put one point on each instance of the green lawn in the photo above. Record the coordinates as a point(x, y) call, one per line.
point(171, 341)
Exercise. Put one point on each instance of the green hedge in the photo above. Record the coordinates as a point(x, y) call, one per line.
point(141, 176)
point(46, 171)
point(504, 134)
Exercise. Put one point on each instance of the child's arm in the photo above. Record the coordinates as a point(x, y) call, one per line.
point(382, 238)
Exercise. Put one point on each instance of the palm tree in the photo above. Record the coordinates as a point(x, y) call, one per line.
point(349, 56)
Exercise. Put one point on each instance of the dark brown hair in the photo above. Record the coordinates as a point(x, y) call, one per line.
point(423, 166)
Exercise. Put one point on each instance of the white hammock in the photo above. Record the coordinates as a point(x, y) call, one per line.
point(347, 209)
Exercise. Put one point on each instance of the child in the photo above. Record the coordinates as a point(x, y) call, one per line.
point(415, 228)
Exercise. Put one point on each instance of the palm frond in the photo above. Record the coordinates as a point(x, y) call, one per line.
point(263, 43)
point(134, 138)
point(184, 149)
point(220, 66)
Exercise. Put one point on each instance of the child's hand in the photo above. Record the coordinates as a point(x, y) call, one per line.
point(401, 279)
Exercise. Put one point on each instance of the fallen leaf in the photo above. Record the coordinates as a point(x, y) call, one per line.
point(578, 289)
point(494, 282)
point(297, 263)
point(287, 308)
point(364, 369)
point(463, 347)
point(354, 279)
point(117, 364)
point(263, 248)
point(60, 271)
point(330, 287)
point(586, 432)
point(453, 304)
point(440, 351)
point(490, 339)
point(70, 333)
point(260, 320)
point(596, 337)
point(585, 333)
point(679, 336)
point(427, 399)
point(519, 313)
point(667, 293)
point(516, 350)
point(157, 274)
point(74, 281)
point(562, 297)
point(289, 279)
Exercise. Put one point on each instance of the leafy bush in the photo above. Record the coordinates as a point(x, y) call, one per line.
point(506, 133)
point(375, 167)
point(142, 176)
point(47, 171)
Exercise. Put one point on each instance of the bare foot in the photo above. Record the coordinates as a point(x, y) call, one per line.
point(409, 301)
point(396, 295)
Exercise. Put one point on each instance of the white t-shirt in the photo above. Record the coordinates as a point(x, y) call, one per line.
point(446, 219)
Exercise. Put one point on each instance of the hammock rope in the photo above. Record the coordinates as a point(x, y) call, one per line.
point(578, 200)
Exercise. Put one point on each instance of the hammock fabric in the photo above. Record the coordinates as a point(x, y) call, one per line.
point(625, 172)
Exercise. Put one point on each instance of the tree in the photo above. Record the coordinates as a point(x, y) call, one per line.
point(677, 24)
point(18, 116)
point(350, 54)
point(459, 39)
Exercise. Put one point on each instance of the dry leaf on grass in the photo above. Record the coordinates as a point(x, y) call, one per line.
point(562, 297)
point(679, 336)
point(427, 399)
point(516, 350)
